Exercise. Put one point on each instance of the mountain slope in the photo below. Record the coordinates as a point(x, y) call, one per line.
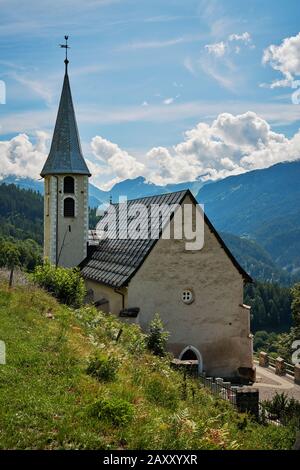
point(96, 195)
point(263, 205)
point(131, 188)
point(21, 213)
point(256, 260)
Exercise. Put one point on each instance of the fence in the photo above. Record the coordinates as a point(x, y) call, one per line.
point(244, 399)
point(280, 366)
point(222, 389)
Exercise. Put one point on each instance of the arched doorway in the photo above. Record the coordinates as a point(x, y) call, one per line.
point(190, 353)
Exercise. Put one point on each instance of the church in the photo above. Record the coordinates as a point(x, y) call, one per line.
point(197, 293)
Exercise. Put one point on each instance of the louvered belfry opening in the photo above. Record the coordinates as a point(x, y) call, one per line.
point(69, 184)
point(69, 207)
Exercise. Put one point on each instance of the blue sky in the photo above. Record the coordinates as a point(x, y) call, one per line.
point(151, 81)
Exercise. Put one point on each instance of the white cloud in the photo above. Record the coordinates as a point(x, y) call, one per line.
point(189, 65)
point(219, 62)
point(158, 44)
point(20, 157)
point(168, 101)
point(39, 88)
point(284, 58)
point(115, 161)
point(231, 144)
point(245, 37)
point(218, 49)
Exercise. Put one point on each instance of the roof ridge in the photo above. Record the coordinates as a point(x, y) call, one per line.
point(183, 191)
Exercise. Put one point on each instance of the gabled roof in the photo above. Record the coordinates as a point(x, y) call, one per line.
point(115, 261)
point(65, 153)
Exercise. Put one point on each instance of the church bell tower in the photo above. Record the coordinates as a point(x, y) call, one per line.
point(66, 177)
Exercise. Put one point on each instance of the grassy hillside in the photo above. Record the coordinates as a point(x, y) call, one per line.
point(48, 401)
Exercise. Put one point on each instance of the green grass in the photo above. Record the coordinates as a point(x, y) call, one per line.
point(49, 401)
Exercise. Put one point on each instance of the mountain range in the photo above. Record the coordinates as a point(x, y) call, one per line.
point(258, 214)
point(263, 206)
point(132, 188)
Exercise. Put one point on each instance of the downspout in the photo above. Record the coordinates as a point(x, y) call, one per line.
point(123, 297)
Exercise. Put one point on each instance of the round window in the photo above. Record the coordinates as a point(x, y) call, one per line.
point(187, 296)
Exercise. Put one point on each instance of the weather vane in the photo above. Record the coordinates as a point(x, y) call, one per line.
point(65, 46)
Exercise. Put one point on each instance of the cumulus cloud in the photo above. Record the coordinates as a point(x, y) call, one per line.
point(20, 157)
point(114, 160)
point(231, 144)
point(234, 144)
point(284, 58)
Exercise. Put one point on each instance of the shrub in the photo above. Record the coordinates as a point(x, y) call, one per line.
point(103, 367)
point(113, 410)
point(65, 284)
point(157, 338)
point(161, 392)
point(283, 408)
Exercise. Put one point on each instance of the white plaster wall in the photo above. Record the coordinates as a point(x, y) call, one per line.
point(72, 232)
point(215, 323)
point(102, 291)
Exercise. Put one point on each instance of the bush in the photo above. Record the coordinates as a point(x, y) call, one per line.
point(23, 253)
point(284, 409)
point(113, 410)
point(65, 284)
point(157, 338)
point(103, 367)
point(160, 392)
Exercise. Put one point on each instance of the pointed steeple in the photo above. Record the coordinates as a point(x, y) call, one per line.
point(65, 153)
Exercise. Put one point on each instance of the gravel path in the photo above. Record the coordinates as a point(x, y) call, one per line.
point(268, 384)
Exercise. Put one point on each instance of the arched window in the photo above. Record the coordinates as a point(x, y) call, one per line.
point(69, 184)
point(69, 207)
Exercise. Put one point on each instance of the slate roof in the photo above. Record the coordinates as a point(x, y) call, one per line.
point(65, 153)
point(115, 261)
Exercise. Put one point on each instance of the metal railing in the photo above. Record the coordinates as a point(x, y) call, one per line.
point(219, 388)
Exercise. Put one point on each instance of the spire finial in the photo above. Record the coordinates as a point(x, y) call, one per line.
point(65, 46)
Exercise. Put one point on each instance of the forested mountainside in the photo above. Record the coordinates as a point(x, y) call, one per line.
point(262, 205)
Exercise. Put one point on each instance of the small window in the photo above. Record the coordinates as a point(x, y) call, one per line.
point(69, 184)
point(69, 207)
point(187, 296)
